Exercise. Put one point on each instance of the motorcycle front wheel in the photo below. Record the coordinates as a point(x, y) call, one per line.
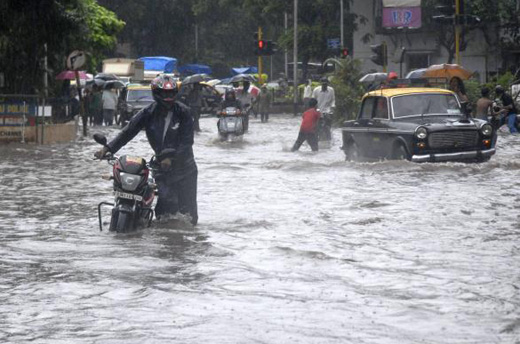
point(124, 222)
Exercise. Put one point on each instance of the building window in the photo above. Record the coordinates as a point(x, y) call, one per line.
point(416, 61)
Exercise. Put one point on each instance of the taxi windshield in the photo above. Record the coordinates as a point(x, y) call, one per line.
point(425, 104)
point(139, 95)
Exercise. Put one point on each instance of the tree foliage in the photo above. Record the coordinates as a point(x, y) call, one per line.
point(31, 29)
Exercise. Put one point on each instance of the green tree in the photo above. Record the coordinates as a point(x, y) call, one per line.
point(31, 29)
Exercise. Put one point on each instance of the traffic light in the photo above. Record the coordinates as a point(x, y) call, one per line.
point(260, 47)
point(344, 53)
point(381, 54)
point(270, 48)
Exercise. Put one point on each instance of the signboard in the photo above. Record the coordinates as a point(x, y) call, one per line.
point(333, 43)
point(409, 17)
point(76, 60)
point(17, 108)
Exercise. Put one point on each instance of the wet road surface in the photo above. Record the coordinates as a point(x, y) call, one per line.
point(290, 248)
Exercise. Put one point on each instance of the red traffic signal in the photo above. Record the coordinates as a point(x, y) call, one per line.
point(344, 52)
point(261, 45)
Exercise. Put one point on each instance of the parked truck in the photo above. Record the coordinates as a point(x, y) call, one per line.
point(128, 70)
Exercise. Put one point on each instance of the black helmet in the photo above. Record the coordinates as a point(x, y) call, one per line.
point(499, 89)
point(164, 90)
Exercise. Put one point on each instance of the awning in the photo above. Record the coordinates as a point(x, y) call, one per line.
point(244, 70)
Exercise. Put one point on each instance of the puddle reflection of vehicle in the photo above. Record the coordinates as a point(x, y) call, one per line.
point(230, 124)
point(417, 124)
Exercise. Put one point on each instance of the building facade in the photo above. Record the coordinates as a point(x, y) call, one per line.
point(414, 48)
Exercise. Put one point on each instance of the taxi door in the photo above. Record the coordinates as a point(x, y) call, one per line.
point(378, 128)
point(360, 127)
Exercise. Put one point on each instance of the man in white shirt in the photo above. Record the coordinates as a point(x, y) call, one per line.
point(324, 94)
point(307, 94)
point(109, 100)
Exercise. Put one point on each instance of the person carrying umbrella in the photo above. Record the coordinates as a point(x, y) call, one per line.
point(109, 105)
point(194, 101)
point(457, 86)
point(95, 106)
point(264, 101)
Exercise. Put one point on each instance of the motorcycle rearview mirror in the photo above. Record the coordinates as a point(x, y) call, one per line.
point(101, 139)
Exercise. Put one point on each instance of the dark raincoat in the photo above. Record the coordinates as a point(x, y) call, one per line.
point(178, 186)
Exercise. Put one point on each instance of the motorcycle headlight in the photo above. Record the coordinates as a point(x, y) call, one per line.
point(486, 129)
point(129, 181)
point(421, 133)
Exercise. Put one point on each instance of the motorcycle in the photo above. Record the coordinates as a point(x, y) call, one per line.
point(324, 130)
point(134, 191)
point(230, 124)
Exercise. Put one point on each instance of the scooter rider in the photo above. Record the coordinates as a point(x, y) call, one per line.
point(169, 129)
point(230, 100)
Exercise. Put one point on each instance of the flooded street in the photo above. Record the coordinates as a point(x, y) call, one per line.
point(290, 248)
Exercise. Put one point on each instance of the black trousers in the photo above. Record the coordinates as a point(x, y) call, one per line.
point(311, 139)
point(177, 194)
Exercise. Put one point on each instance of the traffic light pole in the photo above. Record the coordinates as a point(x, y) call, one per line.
point(260, 81)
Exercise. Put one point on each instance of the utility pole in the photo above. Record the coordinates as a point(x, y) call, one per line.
point(196, 43)
point(286, 66)
point(295, 58)
point(341, 24)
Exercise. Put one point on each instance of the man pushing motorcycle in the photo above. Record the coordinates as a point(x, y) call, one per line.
point(169, 129)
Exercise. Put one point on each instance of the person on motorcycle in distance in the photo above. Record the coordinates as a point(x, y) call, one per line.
point(169, 129)
point(325, 96)
point(230, 100)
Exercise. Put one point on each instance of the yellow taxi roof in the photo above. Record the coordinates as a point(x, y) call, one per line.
point(390, 92)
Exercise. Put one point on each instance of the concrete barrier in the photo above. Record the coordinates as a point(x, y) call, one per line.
point(42, 134)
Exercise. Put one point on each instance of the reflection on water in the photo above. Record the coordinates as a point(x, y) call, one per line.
point(291, 247)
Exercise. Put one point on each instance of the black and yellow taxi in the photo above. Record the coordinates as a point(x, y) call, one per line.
point(419, 124)
point(132, 99)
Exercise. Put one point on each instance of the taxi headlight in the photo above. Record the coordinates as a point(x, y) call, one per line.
point(421, 133)
point(486, 130)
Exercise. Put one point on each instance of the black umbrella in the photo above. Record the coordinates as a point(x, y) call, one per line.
point(117, 84)
point(242, 77)
point(195, 78)
point(105, 76)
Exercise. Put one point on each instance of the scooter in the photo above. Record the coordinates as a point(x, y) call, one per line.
point(134, 191)
point(324, 130)
point(230, 124)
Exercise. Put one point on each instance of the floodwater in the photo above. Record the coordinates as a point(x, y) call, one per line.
point(290, 248)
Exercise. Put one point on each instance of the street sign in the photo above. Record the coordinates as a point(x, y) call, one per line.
point(76, 60)
point(333, 43)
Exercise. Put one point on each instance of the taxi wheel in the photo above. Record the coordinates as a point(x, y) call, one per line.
point(351, 152)
point(400, 153)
